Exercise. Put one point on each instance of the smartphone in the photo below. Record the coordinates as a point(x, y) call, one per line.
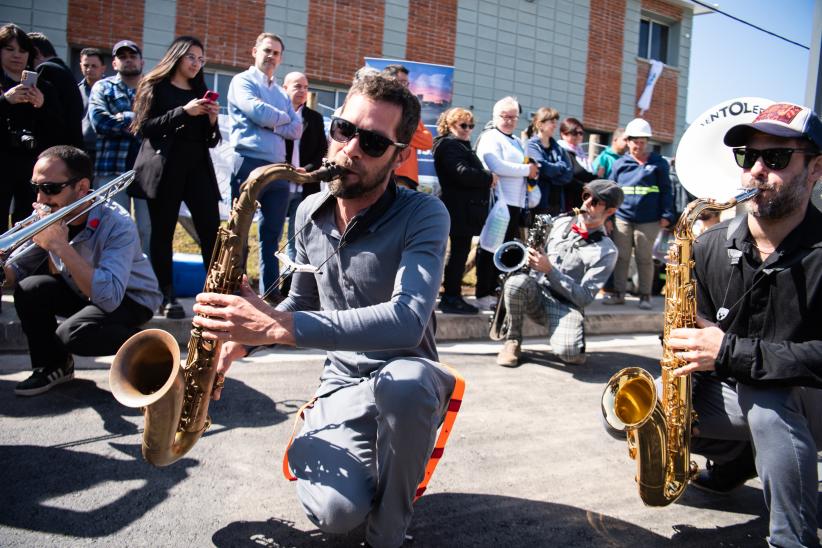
point(211, 96)
point(29, 78)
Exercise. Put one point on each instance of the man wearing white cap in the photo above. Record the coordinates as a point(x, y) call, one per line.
point(757, 393)
point(644, 177)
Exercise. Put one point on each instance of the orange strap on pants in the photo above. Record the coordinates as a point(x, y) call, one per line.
point(454, 404)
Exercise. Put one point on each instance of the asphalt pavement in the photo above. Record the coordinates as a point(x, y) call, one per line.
point(528, 464)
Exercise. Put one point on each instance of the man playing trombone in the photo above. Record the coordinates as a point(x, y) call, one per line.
point(565, 277)
point(88, 269)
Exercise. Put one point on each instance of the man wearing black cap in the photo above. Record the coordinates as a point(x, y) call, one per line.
point(110, 109)
point(577, 261)
point(758, 342)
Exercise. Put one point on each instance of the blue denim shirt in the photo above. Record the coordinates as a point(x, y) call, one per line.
point(261, 117)
point(374, 299)
point(109, 242)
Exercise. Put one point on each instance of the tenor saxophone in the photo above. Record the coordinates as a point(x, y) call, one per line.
point(146, 371)
point(659, 430)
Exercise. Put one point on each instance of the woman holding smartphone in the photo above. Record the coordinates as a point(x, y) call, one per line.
point(178, 125)
point(29, 122)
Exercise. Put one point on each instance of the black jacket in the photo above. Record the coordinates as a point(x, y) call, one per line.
point(313, 146)
point(167, 131)
point(60, 76)
point(573, 191)
point(45, 124)
point(465, 184)
point(773, 333)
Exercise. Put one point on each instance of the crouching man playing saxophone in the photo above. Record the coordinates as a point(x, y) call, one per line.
point(564, 278)
point(380, 252)
point(90, 271)
point(759, 278)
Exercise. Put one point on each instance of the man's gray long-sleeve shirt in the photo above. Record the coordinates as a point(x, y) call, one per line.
point(374, 299)
point(580, 269)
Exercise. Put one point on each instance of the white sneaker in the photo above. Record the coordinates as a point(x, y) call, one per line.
point(489, 302)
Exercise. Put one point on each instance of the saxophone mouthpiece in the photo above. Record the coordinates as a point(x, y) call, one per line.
point(571, 213)
point(329, 171)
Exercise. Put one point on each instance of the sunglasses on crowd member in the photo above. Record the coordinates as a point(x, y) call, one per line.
point(577, 132)
point(773, 158)
point(466, 126)
point(594, 200)
point(373, 144)
point(548, 120)
point(53, 189)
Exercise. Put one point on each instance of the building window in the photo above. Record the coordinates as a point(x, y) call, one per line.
point(219, 81)
point(328, 99)
point(653, 40)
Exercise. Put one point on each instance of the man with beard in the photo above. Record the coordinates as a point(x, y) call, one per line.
point(89, 271)
point(565, 277)
point(757, 347)
point(110, 109)
point(379, 250)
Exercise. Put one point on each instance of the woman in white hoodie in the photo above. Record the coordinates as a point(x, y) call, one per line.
point(503, 154)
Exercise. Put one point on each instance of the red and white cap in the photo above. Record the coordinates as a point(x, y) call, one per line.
point(781, 120)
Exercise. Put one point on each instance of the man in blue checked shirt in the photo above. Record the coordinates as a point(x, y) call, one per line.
point(109, 106)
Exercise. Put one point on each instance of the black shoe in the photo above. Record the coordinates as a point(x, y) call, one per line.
point(172, 309)
point(721, 479)
point(42, 380)
point(456, 305)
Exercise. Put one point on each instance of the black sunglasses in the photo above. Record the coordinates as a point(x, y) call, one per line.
point(773, 158)
point(594, 200)
point(371, 143)
point(52, 189)
point(577, 132)
point(466, 126)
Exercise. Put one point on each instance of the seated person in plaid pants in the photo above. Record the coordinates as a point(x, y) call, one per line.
point(564, 278)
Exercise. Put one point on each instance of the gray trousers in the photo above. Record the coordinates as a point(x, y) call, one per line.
point(639, 237)
point(785, 426)
point(363, 449)
point(523, 295)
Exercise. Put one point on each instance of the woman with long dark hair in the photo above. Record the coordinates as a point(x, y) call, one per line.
point(178, 127)
point(30, 119)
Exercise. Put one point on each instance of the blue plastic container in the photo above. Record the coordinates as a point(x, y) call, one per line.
point(189, 274)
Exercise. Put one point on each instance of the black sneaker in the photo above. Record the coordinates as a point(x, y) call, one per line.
point(42, 380)
point(721, 479)
point(172, 309)
point(456, 305)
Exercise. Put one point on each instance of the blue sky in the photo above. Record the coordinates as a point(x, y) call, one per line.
point(730, 59)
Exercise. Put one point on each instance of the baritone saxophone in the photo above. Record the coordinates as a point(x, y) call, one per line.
point(147, 371)
point(659, 429)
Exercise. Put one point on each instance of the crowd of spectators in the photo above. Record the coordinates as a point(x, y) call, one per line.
point(162, 124)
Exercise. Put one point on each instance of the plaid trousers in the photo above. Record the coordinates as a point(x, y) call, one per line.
point(524, 295)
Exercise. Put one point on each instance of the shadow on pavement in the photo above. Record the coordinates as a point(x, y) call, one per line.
point(36, 498)
point(598, 368)
point(240, 407)
point(461, 520)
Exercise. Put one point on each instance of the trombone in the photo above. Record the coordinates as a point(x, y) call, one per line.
point(18, 241)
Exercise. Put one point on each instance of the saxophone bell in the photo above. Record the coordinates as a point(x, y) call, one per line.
point(147, 371)
point(510, 256)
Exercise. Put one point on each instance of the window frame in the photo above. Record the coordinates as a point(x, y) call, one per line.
point(665, 45)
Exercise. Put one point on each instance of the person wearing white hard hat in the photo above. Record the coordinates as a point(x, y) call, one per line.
point(644, 177)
